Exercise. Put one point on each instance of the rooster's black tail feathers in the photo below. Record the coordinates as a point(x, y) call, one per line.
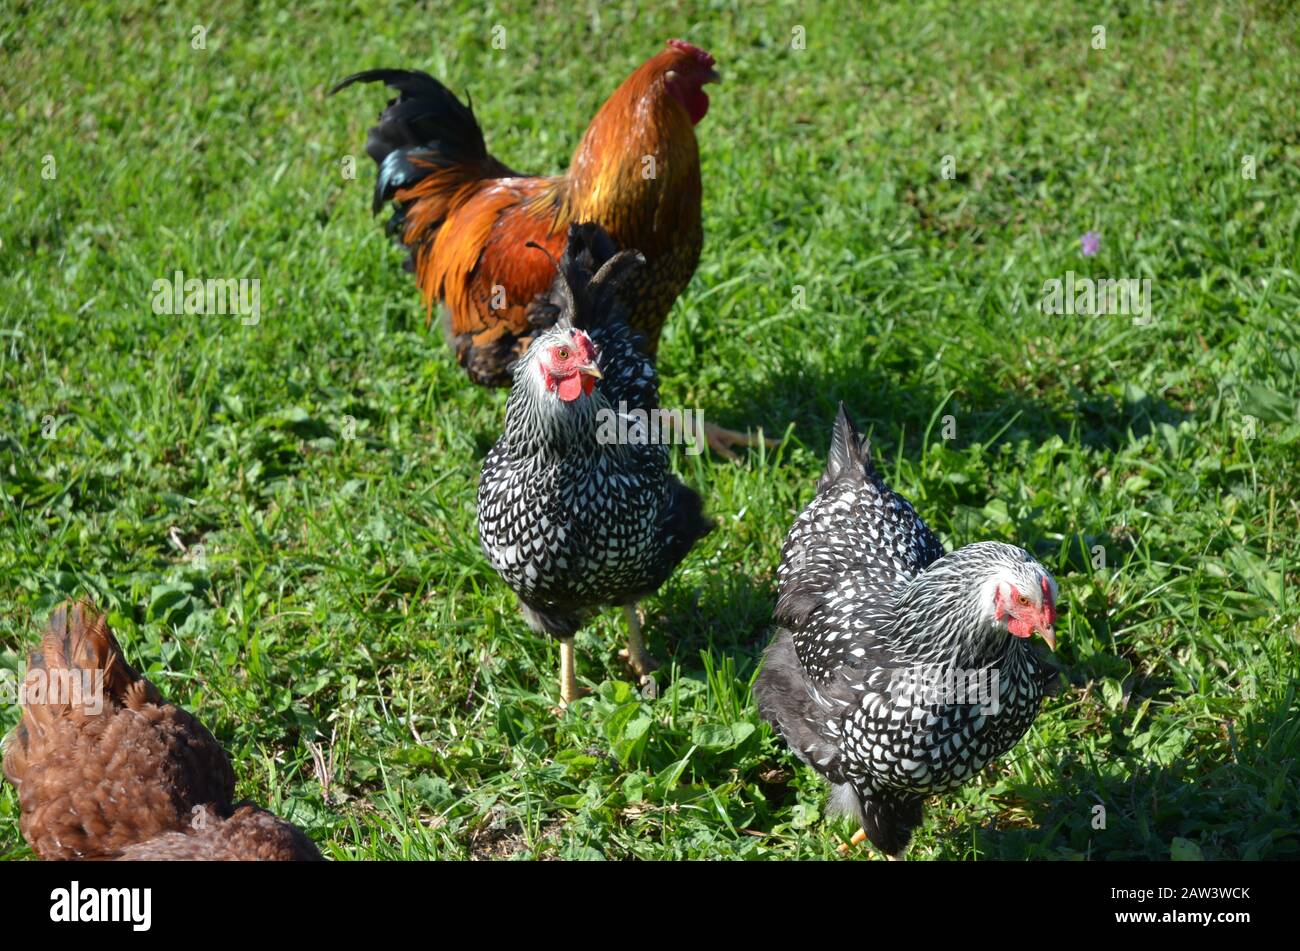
point(424, 128)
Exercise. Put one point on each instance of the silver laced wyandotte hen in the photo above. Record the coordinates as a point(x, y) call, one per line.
point(898, 671)
point(571, 519)
point(105, 768)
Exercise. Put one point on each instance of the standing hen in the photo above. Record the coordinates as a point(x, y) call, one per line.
point(898, 671)
point(570, 520)
point(466, 217)
point(106, 768)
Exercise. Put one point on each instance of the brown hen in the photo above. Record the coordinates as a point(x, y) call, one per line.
point(106, 768)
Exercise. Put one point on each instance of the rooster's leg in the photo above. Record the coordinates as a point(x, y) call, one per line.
point(637, 657)
point(722, 440)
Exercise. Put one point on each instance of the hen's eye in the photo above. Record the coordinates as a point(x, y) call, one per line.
point(1022, 601)
point(562, 353)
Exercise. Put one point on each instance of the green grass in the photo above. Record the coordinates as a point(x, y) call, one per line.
point(341, 599)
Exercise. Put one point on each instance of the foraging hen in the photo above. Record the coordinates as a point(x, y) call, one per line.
point(898, 671)
point(569, 518)
point(106, 768)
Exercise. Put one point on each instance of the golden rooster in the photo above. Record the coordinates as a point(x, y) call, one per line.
point(467, 218)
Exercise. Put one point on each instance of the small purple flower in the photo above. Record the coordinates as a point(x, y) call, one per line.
point(1091, 242)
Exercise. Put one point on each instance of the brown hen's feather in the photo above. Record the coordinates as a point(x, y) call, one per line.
point(250, 834)
point(106, 768)
point(467, 218)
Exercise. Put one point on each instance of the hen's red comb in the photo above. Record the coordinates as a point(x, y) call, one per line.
point(704, 58)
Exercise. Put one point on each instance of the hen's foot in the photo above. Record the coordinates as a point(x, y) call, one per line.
point(635, 654)
point(642, 665)
point(562, 707)
point(858, 838)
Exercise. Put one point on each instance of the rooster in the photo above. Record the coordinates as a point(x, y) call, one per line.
point(569, 519)
point(898, 671)
point(466, 217)
point(106, 768)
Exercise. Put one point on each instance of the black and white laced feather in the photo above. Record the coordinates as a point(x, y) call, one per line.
point(571, 523)
point(869, 603)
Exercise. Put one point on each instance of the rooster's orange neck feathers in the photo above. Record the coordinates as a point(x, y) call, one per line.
point(638, 157)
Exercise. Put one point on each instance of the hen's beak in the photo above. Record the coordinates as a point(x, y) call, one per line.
point(1048, 632)
point(712, 76)
point(592, 370)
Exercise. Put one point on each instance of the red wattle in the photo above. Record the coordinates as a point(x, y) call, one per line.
point(1020, 627)
point(570, 387)
point(697, 105)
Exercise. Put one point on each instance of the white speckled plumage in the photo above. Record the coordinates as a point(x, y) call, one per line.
point(866, 596)
point(569, 523)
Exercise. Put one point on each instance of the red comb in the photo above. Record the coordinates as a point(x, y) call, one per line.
point(1048, 606)
point(704, 58)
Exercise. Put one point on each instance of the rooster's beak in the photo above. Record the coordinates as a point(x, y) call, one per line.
point(592, 370)
point(712, 76)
